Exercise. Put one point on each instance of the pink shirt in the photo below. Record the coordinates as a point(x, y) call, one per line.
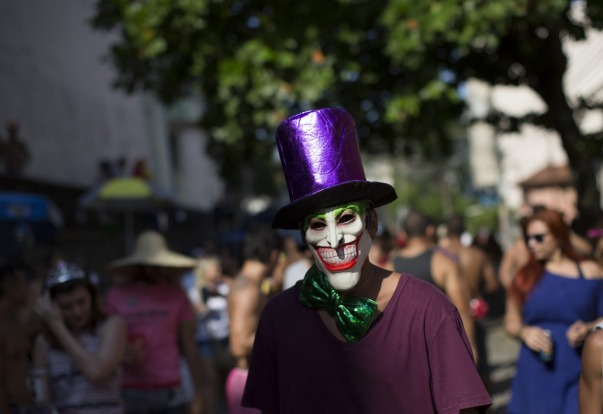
point(153, 314)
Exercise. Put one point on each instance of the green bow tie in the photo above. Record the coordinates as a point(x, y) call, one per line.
point(353, 315)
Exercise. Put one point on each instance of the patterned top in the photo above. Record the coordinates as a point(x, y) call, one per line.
point(71, 392)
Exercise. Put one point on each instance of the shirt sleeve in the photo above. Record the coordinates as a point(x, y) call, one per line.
point(455, 380)
point(261, 389)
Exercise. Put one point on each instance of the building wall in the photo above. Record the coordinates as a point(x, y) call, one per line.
point(517, 156)
point(55, 84)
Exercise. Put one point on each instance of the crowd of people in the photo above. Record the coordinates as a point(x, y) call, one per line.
point(325, 311)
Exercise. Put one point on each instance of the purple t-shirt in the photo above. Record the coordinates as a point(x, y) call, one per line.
point(414, 359)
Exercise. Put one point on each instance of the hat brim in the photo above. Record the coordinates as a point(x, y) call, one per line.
point(290, 216)
point(161, 259)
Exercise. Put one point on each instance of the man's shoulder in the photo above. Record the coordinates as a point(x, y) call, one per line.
point(244, 288)
point(283, 303)
point(240, 282)
point(418, 292)
point(444, 257)
point(472, 253)
point(591, 269)
point(422, 303)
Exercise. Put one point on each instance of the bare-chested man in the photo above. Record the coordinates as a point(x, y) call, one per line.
point(477, 270)
point(261, 251)
point(14, 341)
point(480, 278)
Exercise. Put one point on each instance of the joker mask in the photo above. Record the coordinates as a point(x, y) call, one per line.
point(340, 242)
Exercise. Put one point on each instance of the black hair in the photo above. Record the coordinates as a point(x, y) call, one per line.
point(97, 315)
point(416, 223)
point(260, 241)
point(455, 225)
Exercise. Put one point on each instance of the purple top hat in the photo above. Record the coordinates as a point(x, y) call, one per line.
point(321, 160)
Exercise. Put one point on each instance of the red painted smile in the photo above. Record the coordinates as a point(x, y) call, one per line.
point(343, 257)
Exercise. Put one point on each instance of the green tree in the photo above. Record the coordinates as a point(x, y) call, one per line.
point(256, 62)
point(506, 42)
point(396, 65)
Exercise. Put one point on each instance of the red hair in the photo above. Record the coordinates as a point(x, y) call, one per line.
point(528, 276)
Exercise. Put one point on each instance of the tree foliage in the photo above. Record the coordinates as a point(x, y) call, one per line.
point(506, 42)
point(396, 65)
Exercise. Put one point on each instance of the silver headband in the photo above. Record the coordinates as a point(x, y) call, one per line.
point(64, 272)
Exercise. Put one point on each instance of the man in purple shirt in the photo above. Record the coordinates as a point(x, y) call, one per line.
point(352, 337)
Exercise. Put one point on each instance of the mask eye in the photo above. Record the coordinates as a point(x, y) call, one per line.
point(347, 218)
point(317, 225)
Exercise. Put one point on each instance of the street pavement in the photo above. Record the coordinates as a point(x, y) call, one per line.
point(503, 352)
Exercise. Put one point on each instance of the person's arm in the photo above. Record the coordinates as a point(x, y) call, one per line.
point(509, 264)
point(590, 379)
point(194, 296)
point(579, 330)
point(96, 366)
point(243, 309)
point(189, 350)
point(580, 245)
point(533, 337)
point(447, 275)
point(490, 281)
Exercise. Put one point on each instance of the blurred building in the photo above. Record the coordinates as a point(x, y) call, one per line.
point(531, 166)
point(56, 86)
point(552, 187)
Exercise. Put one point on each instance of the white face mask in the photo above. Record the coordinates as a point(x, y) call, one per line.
point(340, 242)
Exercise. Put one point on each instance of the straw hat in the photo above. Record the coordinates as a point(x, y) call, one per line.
point(151, 250)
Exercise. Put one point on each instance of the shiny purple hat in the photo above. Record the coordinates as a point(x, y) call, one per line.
point(322, 165)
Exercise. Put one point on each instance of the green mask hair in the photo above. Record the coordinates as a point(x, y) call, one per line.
point(358, 206)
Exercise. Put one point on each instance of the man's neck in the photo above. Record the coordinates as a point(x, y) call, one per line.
point(416, 245)
point(254, 270)
point(365, 277)
point(454, 244)
point(377, 284)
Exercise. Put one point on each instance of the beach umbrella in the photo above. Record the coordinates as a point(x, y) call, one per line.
point(28, 207)
point(27, 217)
point(127, 196)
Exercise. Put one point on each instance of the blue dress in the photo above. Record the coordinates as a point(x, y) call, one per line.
point(555, 303)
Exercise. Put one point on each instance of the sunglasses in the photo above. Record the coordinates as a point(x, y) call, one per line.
point(538, 237)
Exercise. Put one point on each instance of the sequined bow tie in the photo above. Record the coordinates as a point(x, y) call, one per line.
point(353, 315)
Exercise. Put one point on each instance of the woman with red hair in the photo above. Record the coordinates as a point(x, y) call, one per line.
point(553, 303)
